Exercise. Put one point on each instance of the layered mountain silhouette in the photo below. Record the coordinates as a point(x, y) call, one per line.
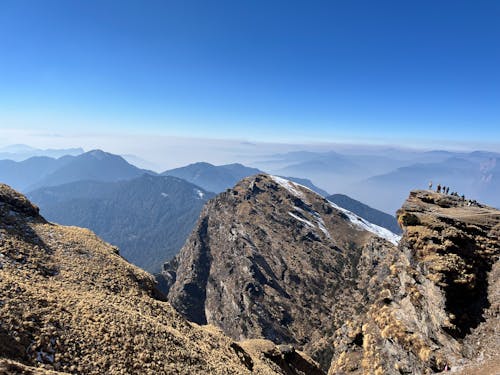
point(70, 304)
point(148, 218)
point(271, 259)
point(21, 152)
point(382, 177)
point(366, 212)
point(218, 178)
point(211, 177)
point(473, 176)
point(94, 165)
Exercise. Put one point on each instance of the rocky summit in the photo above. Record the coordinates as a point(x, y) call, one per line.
point(434, 304)
point(69, 303)
point(272, 259)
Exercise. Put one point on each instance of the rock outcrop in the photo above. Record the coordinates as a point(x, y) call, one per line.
point(434, 304)
point(272, 259)
point(70, 304)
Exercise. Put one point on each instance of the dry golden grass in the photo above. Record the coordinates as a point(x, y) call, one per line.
point(70, 303)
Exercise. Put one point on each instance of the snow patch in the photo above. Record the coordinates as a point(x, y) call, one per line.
point(306, 222)
point(288, 185)
point(319, 220)
point(366, 225)
point(322, 227)
point(359, 222)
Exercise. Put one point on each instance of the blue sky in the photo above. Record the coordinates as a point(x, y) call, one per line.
point(381, 71)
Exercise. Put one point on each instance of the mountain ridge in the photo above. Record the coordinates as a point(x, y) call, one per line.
point(40, 171)
point(265, 260)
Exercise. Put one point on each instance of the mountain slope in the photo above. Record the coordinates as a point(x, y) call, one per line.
point(272, 259)
point(366, 212)
point(71, 304)
point(308, 184)
point(149, 217)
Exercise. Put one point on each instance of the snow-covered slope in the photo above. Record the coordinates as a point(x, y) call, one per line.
point(357, 221)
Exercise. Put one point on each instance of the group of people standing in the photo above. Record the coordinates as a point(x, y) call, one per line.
point(442, 189)
point(446, 190)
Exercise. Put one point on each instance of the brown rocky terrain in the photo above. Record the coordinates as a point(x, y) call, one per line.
point(272, 259)
point(434, 305)
point(70, 304)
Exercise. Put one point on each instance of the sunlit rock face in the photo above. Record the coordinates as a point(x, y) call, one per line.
point(435, 304)
point(272, 259)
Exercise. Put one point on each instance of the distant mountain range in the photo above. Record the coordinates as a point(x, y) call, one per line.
point(42, 171)
point(21, 152)
point(211, 177)
point(476, 176)
point(381, 177)
point(218, 178)
point(148, 218)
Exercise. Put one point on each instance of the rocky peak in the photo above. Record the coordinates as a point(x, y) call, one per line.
point(457, 242)
point(272, 259)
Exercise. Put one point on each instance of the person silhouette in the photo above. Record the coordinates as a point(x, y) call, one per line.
point(438, 188)
point(430, 185)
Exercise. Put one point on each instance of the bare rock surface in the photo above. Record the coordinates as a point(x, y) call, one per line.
point(272, 259)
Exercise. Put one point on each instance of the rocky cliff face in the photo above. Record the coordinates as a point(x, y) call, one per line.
point(70, 304)
point(434, 303)
point(271, 259)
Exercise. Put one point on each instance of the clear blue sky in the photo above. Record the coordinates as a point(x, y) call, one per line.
point(254, 69)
